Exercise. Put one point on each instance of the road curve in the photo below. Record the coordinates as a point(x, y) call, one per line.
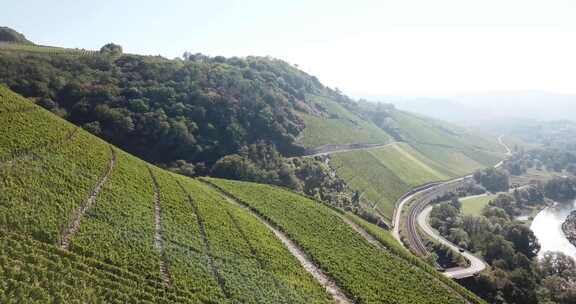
point(476, 264)
point(419, 213)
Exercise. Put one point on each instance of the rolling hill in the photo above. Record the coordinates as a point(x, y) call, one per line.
point(83, 221)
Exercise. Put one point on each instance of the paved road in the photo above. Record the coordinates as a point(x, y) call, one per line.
point(476, 264)
point(417, 218)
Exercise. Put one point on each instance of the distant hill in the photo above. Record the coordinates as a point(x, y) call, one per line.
point(9, 35)
point(83, 221)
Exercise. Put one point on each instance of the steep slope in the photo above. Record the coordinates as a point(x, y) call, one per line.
point(338, 126)
point(84, 221)
point(46, 177)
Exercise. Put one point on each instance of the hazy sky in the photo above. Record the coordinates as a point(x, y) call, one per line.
point(402, 47)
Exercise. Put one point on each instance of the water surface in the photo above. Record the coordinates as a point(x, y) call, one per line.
point(547, 226)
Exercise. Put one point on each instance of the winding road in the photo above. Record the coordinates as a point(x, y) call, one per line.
point(418, 215)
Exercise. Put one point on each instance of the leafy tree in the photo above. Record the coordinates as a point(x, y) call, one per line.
point(494, 180)
point(111, 49)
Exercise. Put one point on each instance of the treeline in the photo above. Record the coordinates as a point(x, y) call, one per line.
point(553, 159)
point(196, 109)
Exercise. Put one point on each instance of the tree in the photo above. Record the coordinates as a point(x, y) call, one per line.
point(523, 239)
point(494, 180)
point(111, 49)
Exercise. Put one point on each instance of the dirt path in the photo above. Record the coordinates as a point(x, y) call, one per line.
point(364, 234)
point(341, 148)
point(326, 282)
point(74, 225)
point(158, 232)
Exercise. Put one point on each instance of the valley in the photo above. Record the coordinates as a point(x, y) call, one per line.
point(128, 178)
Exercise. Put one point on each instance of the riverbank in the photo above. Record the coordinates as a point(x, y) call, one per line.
point(569, 227)
point(547, 227)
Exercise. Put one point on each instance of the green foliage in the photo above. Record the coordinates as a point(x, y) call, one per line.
point(215, 252)
point(32, 271)
point(119, 228)
point(197, 110)
point(40, 187)
point(494, 180)
point(560, 188)
point(111, 49)
point(389, 242)
point(383, 175)
point(366, 273)
point(338, 126)
point(9, 35)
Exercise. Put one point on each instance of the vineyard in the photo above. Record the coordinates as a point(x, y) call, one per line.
point(81, 221)
point(211, 251)
point(367, 274)
point(50, 50)
point(342, 127)
point(383, 175)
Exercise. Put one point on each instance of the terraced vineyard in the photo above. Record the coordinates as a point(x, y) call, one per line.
point(367, 274)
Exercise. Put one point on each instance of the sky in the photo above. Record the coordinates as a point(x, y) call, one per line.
point(365, 48)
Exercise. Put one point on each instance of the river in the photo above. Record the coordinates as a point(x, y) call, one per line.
point(547, 226)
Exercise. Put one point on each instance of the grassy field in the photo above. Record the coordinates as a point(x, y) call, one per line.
point(209, 250)
point(475, 205)
point(343, 127)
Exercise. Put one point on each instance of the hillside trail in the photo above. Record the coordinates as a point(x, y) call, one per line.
point(74, 225)
point(342, 148)
point(324, 280)
point(159, 233)
point(372, 240)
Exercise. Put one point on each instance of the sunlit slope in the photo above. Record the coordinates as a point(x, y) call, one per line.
point(447, 138)
point(383, 175)
point(341, 126)
point(366, 273)
point(429, 150)
point(209, 250)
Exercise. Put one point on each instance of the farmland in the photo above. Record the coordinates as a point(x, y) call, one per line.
point(383, 175)
point(143, 234)
point(211, 250)
point(342, 127)
point(362, 270)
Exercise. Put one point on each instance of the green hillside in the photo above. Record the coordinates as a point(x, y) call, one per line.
point(83, 221)
point(383, 175)
point(338, 126)
point(208, 245)
point(368, 274)
point(426, 150)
